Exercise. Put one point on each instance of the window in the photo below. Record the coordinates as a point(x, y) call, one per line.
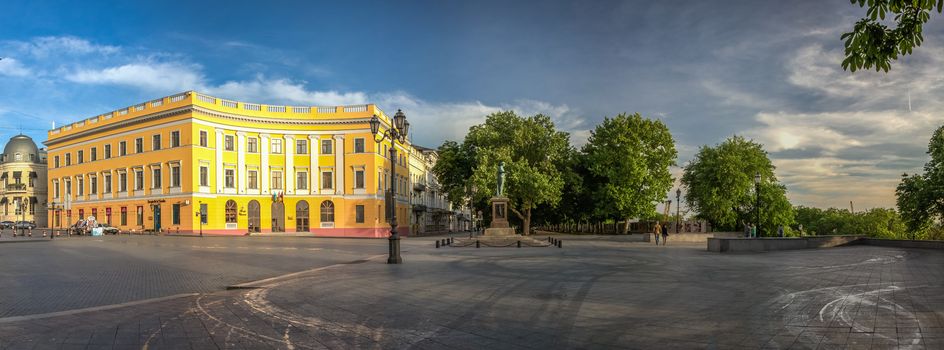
point(301, 180)
point(327, 211)
point(80, 186)
point(359, 145)
point(122, 182)
point(301, 147)
point(359, 214)
point(93, 155)
point(156, 142)
point(79, 156)
point(326, 147)
point(301, 216)
point(276, 180)
point(230, 178)
point(107, 151)
point(203, 209)
point(122, 148)
point(203, 138)
point(204, 176)
point(93, 184)
point(55, 190)
point(139, 180)
point(68, 159)
point(175, 176)
point(31, 183)
point(252, 145)
point(175, 214)
point(156, 178)
point(124, 216)
point(228, 143)
point(276, 146)
point(140, 216)
point(175, 139)
point(230, 211)
point(55, 162)
point(107, 183)
point(358, 179)
point(68, 188)
point(253, 180)
point(138, 145)
point(327, 180)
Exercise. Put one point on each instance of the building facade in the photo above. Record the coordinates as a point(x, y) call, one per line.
point(251, 168)
point(432, 212)
point(23, 172)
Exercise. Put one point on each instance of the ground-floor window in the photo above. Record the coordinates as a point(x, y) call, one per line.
point(327, 211)
point(175, 214)
point(124, 216)
point(359, 214)
point(230, 211)
point(140, 216)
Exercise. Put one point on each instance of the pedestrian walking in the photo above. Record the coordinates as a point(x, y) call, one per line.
point(780, 231)
point(665, 234)
point(656, 232)
point(753, 231)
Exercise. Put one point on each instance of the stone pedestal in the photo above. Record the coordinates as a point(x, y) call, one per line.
point(499, 226)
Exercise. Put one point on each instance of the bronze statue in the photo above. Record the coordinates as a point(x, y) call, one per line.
point(501, 180)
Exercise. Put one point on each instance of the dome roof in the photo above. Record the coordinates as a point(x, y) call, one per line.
point(23, 145)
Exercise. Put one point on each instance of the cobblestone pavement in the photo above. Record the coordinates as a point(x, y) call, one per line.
point(591, 294)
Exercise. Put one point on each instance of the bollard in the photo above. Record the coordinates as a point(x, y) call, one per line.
point(451, 241)
point(560, 243)
point(437, 243)
point(548, 239)
point(519, 244)
point(477, 244)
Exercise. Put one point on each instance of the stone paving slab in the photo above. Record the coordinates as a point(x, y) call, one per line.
point(589, 295)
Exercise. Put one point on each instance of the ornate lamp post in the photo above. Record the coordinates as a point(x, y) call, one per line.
point(757, 199)
point(397, 133)
point(678, 206)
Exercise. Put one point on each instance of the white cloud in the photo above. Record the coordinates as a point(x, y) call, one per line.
point(283, 91)
point(11, 67)
point(43, 47)
point(162, 76)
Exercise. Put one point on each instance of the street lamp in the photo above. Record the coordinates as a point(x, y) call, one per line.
point(757, 196)
point(678, 206)
point(398, 133)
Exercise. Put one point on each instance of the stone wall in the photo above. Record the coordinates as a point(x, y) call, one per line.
point(724, 245)
point(692, 237)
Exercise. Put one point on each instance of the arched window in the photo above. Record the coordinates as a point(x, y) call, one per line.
point(327, 211)
point(230, 211)
point(18, 157)
point(301, 216)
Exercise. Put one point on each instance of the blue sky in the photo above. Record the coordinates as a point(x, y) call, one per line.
point(768, 70)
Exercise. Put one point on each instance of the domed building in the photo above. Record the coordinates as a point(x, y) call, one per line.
point(23, 173)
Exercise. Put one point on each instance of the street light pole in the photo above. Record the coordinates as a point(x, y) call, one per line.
point(678, 206)
point(397, 133)
point(757, 199)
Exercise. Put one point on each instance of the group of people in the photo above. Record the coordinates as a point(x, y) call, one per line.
point(661, 230)
point(750, 230)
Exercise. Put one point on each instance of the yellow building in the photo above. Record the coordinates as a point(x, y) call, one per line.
point(250, 167)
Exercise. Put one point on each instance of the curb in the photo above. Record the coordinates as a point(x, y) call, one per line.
point(27, 241)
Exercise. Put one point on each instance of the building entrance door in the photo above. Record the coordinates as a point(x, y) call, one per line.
point(278, 217)
point(255, 219)
point(301, 216)
point(157, 217)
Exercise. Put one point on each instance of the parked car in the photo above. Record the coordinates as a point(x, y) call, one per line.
point(108, 230)
point(24, 225)
point(79, 228)
point(6, 224)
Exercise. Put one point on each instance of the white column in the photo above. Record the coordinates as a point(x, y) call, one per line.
point(289, 164)
point(219, 161)
point(241, 162)
point(314, 172)
point(339, 164)
point(264, 162)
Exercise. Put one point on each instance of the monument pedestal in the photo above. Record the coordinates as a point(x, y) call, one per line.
point(499, 226)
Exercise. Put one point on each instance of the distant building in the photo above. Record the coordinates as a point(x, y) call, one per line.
point(23, 172)
point(432, 212)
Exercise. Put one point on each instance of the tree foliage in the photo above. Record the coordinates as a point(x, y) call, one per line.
point(632, 156)
point(921, 196)
point(720, 186)
point(872, 44)
point(876, 222)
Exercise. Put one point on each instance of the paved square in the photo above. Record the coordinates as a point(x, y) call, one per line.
point(594, 293)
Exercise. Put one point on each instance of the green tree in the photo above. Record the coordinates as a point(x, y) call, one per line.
point(533, 152)
point(873, 44)
point(632, 155)
point(921, 196)
point(720, 186)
